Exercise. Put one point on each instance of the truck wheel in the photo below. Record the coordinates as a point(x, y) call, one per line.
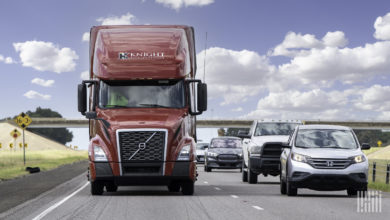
point(283, 187)
point(207, 169)
point(174, 187)
point(352, 192)
point(97, 188)
point(244, 173)
point(290, 190)
point(252, 177)
point(111, 187)
point(187, 188)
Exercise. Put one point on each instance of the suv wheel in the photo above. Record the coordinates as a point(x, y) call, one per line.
point(283, 186)
point(174, 187)
point(290, 190)
point(352, 192)
point(244, 172)
point(97, 188)
point(187, 188)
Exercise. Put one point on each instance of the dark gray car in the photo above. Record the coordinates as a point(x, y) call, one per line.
point(223, 153)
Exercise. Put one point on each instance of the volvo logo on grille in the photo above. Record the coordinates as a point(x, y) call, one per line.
point(142, 146)
point(329, 163)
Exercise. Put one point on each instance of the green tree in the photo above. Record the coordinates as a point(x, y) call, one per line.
point(372, 137)
point(61, 135)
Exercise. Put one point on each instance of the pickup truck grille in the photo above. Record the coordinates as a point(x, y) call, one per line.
point(321, 163)
point(273, 150)
point(142, 146)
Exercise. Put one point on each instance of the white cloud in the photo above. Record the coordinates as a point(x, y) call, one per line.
point(239, 109)
point(36, 95)
point(233, 75)
point(115, 20)
point(84, 75)
point(42, 82)
point(85, 37)
point(177, 4)
point(45, 56)
point(382, 27)
point(297, 44)
point(6, 60)
point(375, 98)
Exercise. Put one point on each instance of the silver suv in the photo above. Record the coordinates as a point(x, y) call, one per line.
point(323, 157)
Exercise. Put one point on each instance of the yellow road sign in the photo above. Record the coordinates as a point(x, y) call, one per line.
point(15, 133)
point(23, 120)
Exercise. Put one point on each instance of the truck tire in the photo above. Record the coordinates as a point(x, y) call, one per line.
point(283, 187)
point(111, 187)
point(252, 177)
point(174, 187)
point(207, 169)
point(187, 188)
point(244, 172)
point(97, 188)
point(352, 192)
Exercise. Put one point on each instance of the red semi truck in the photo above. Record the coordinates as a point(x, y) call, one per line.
point(143, 101)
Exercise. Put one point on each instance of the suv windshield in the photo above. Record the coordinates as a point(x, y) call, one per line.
point(263, 129)
point(225, 143)
point(325, 138)
point(142, 94)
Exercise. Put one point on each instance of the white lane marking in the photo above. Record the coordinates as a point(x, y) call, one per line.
point(257, 207)
point(51, 208)
point(217, 188)
point(205, 182)
point(234, 196)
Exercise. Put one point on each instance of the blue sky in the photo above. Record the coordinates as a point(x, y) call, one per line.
point(298, 59)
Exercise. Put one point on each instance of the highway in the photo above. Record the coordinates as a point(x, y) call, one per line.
point(218, 195)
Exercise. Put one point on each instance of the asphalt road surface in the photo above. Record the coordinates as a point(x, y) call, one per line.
point(218, 195)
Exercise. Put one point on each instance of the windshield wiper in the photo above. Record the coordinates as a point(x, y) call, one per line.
point(154, 105)
point(301, 146)
point(337, 147)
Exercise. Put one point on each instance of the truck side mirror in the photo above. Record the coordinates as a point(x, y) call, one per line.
point(202, 97)
point(82, 98)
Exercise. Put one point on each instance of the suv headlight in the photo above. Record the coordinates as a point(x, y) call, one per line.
point(299, 157)
point(212, 154)
point(99, 154)
point(358, 159)
point(184, 153)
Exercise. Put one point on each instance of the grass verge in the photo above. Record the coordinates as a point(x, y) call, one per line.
point(11, 163)
point(380, 176)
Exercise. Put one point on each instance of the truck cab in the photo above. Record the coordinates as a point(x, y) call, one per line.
point(141, 100)
point(262, 147)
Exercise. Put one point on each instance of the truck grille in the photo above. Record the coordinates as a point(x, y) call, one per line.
point(142, 146)
point(321, 163)
point(273, 150)
point(227, 157)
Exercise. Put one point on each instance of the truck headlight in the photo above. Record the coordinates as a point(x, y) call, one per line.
point(299, 157)
point(212, 154)
point(99, 154)
point(255, 150)
point(184, 153)
point(359, 159)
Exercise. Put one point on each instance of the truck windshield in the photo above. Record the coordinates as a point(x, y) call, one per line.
point(325, 138)
point(142, 94)
point(225, 143)
point(263, 129)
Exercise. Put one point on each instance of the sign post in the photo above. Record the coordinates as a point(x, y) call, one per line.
point(23, 121)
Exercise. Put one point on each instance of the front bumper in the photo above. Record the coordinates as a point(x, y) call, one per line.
point(302, 175)
point(265, 165)
point(101, 171)
point(224, 164)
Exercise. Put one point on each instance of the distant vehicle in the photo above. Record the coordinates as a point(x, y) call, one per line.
point(223, 153)
point(323, 157)
point(262, 147)
point(200, 151)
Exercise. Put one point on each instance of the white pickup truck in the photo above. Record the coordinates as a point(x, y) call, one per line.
point(262, 147)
